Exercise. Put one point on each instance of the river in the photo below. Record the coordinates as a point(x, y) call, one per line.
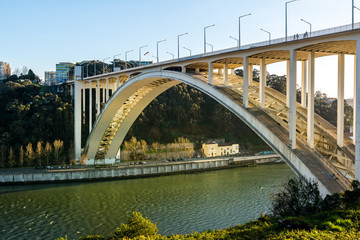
point(178, 203)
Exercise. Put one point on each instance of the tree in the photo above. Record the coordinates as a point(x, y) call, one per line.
point(136, 226)
point(29, 154)
point(58, 148)
point(298, 196)
point(21, 156)
point(39, 153)
point(11, 162)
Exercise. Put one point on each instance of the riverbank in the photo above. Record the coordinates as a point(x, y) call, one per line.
point(133, 171)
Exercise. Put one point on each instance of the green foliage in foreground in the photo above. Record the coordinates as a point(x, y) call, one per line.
point(335, 217)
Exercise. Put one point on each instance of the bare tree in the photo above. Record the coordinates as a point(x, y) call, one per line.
point(24, 70)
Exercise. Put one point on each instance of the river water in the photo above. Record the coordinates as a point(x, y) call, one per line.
point(179, 203)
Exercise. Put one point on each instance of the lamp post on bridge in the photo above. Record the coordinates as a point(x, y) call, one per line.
point(239, 41)
point(153, 56)
point(187, 49)
point(286, 17)
point(178, 43)
point(212, 47)
point(94, 67)
point(307, 23)
point(140, 54)
point(114, 61)
point(170, 54)
point(353, 17)
point(157, 49)
point(267, 33)
point(126, 57)
point(104, 64)
point(205, 36)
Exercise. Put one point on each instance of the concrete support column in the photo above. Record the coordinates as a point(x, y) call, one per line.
point(77, 112)
point(251, 74)
point(211, 71)
point(357, 109)
point(303, 83)
point(117, 84)
point(197, 70)
point(311, 93)
point(354, 102)
point(292, 117)
point(184, 69)
point(288, 83)
point(225, 74)
point(90, 106)
point(97, 98)
point(71, 90)
point(246, 83)
point(107, 90)
point(232, 71)
point(262, 82)
point(83, 99)
point(340, 101)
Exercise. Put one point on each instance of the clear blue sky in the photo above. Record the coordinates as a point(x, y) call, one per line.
point(40, 33)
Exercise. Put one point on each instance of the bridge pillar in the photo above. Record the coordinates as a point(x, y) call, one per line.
point(292, 117)
point(357, 109)
point(246, 83)
point(90, 106)
point(310, 108)
point(97, 98)
point(303, 83)
point(354, 102)
point(340, 101)
point(83, 100)
point(288, 83)
point(211, 71)
point(107, 90)
point(251, 74)
point(197, 70)
point(71, 90)
point(262, 82)
point(117, 84)
point(78, 85)
point(225, 73)
point(184, 69)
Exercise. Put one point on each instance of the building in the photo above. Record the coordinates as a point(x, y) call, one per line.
point(5, 70)
point(50, 77)
point(214, 149)
point(63, 72)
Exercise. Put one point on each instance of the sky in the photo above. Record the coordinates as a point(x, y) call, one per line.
point(40, 33)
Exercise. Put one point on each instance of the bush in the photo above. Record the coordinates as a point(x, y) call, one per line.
point(298, 196)
point(137, 226)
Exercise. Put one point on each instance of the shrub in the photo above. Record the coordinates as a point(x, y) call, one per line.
point(137, 226)
point(298, 196)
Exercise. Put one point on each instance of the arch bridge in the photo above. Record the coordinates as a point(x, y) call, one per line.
point(310, 145)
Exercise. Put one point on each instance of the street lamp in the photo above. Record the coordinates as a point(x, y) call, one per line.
point(205, 36)
point(114, 61)
point(104, 64)
point(267, 33)
point(212, 47)
point(235, 40)
point(126, 57)
point(157, 49)
point(179, 43)
point(153, 56)
point(353, 7)
point(171, 54)
point(286, 17)
point(140, 53)
point(94, 67)
point(187, 49)
point(307, 23)
point(239, 42)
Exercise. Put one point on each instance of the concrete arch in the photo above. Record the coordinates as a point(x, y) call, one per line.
point(156, 82)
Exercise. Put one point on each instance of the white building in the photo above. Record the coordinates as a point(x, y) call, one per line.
point(5, 70)
point(50, 77)
point(214, 149)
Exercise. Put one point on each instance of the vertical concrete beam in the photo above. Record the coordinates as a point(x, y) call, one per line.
point(117, 84)
point(184, 69)
point(197, 70)
point(357, 109)
point(288, 83)
point(292, 117)
point(107, 90)
point(83, 98)
point(225, 73)
point(232, 71)
point(77, 112)
point(340, 101)
point(211, 71)
point(354, 101)
point(303, 83)
point(251, 68)
point(246, 83)
point(262, 82)
point(90, 106)
point(71, 90)
point(97, 98)
point(311, 92)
